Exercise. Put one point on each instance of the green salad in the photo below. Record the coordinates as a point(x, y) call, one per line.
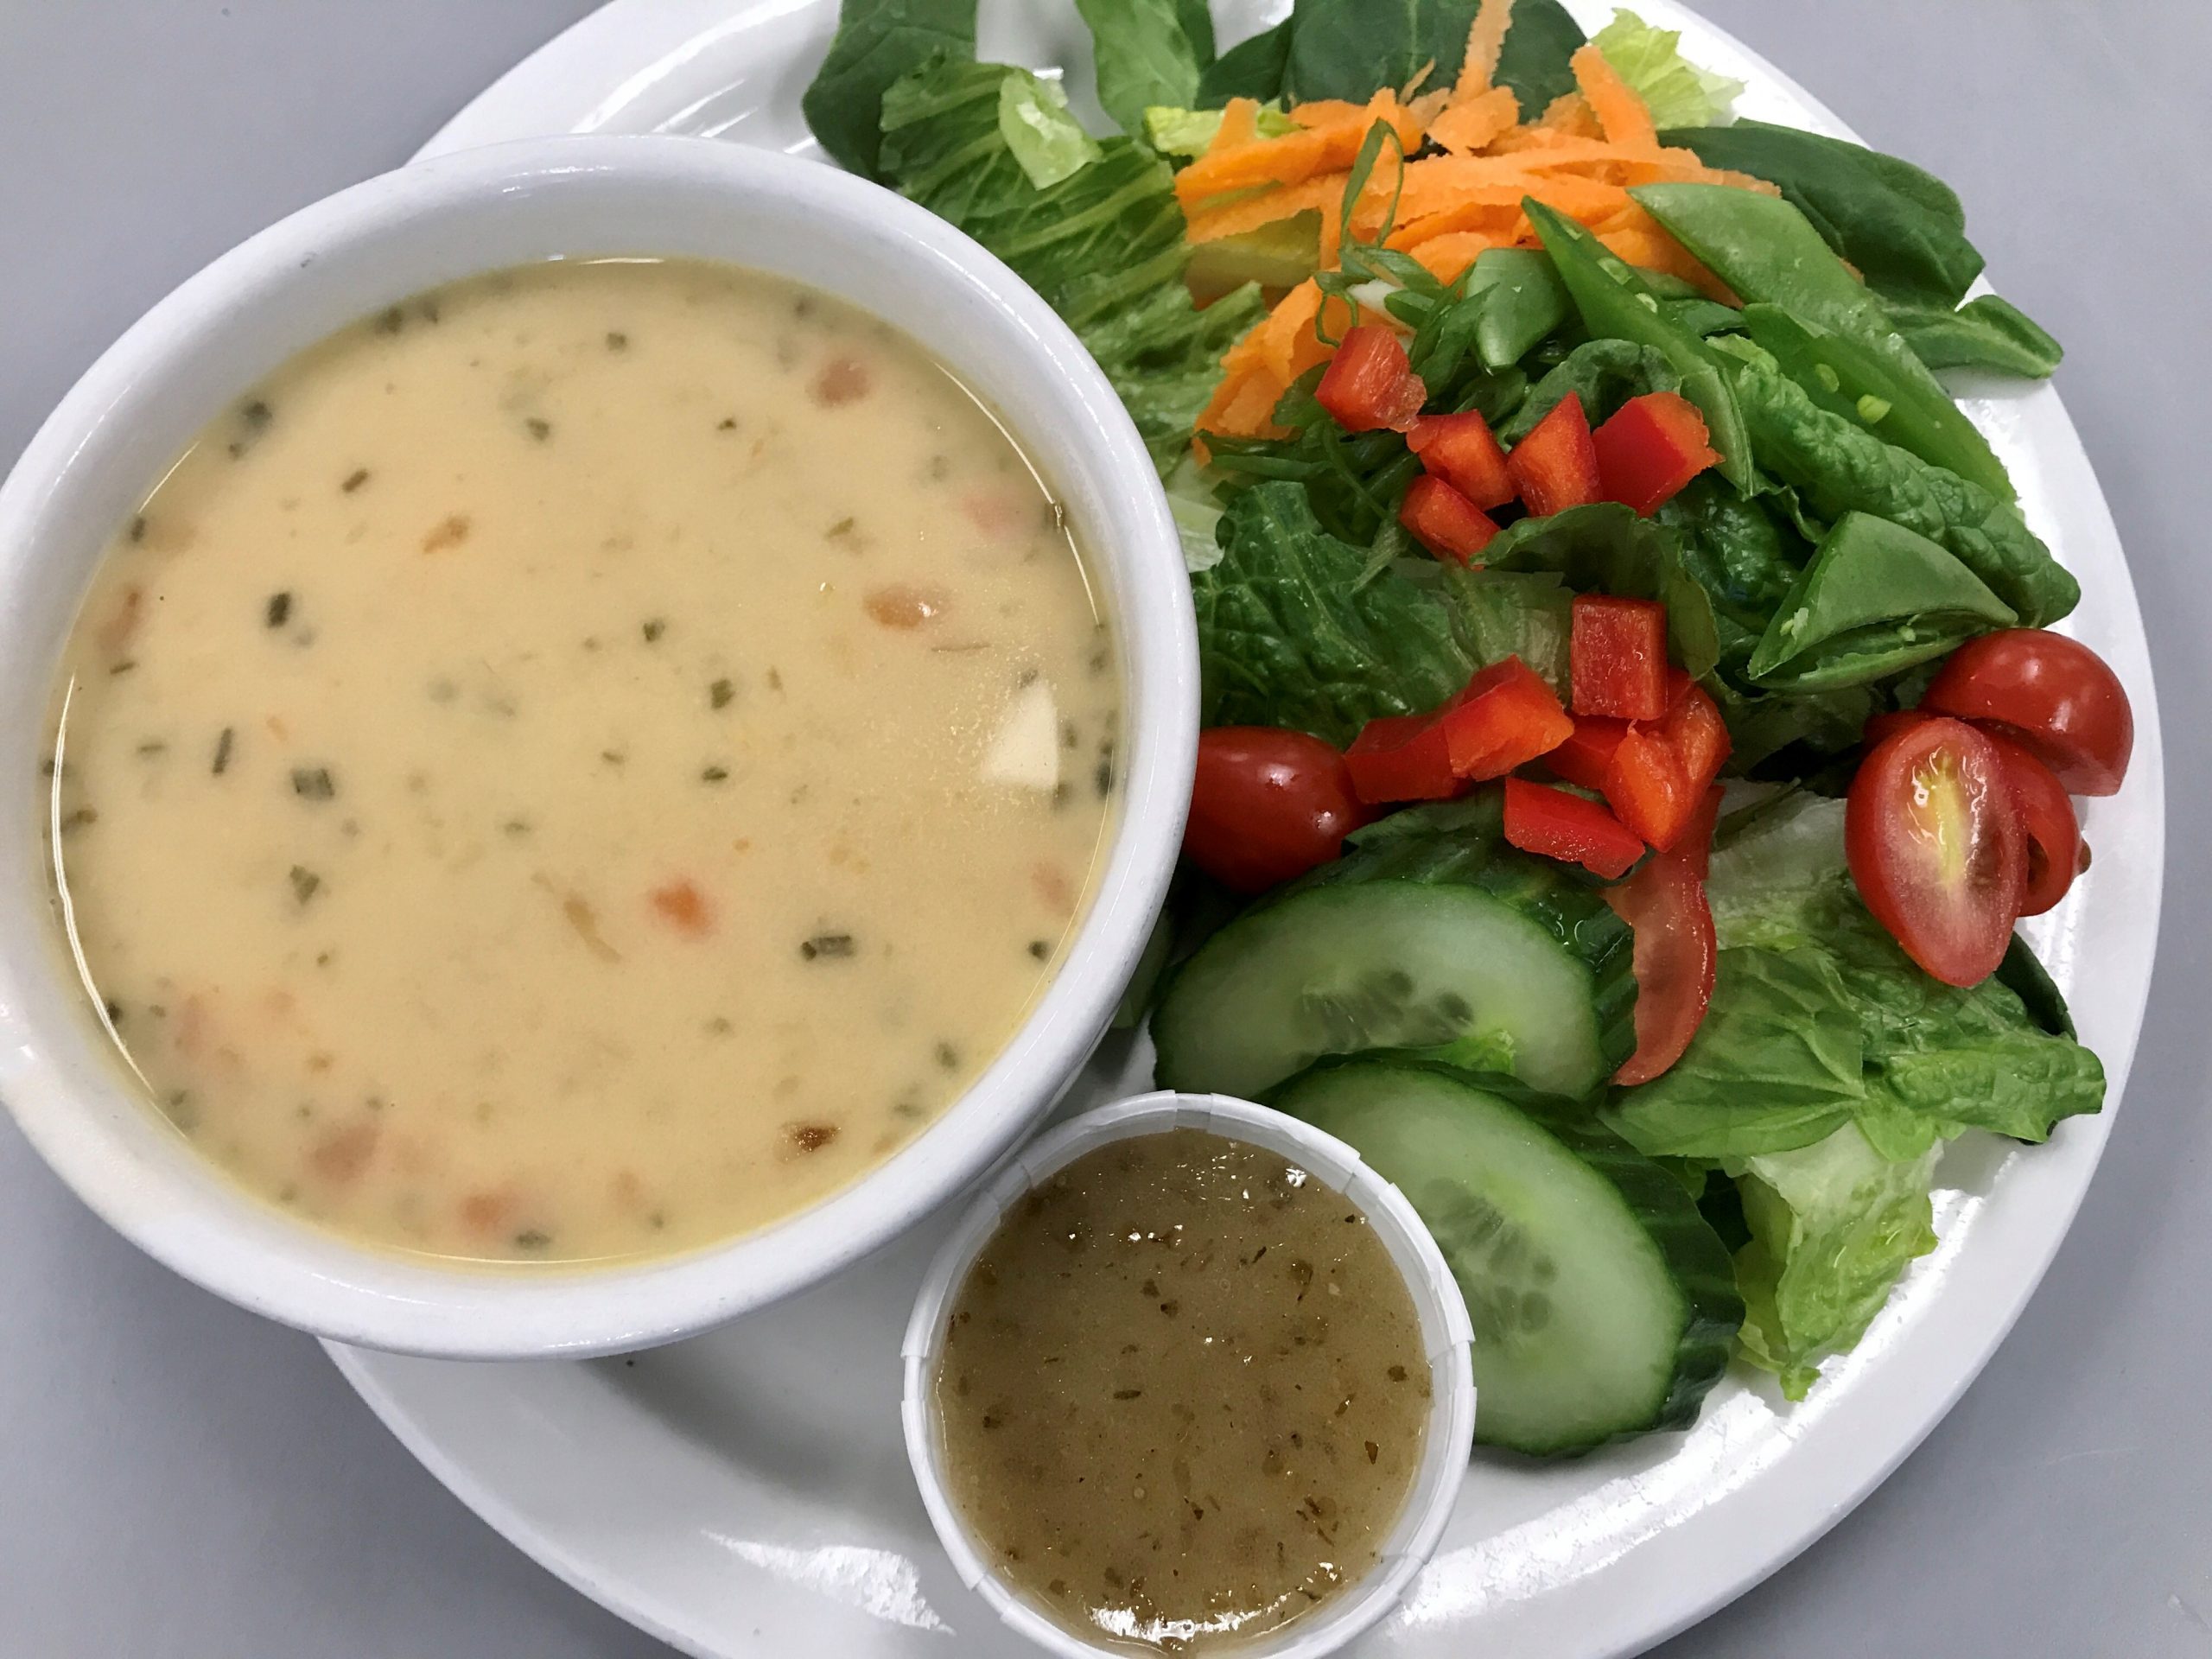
point(1633, 726)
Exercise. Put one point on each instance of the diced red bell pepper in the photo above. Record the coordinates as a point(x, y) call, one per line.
point(1619, 651)
point(1401, 758)
point(1583, 758)
point(1551, 822)
point(1505, 718)
point(1465, 454)
point(1661, 770)
point(1654, 446)
point(1369, 382)
point(1555, 467)
point(1446, 522)
point(1694, 728)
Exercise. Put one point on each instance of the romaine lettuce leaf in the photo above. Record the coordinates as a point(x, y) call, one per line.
point(1833, 1227)
point(1103, 244)
point(1290, 635)
point(1049, 143)
point(1678, 92)
point(1606, 548)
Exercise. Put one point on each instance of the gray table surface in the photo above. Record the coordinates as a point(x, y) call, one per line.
point(178, 1479)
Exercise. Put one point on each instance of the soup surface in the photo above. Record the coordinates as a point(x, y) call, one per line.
point(1183, 1393)
point(584, 763)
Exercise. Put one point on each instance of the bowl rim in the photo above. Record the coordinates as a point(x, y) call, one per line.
point(1447, 1335)
point(148, 1183)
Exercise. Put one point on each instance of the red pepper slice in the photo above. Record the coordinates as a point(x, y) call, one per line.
point(1401, 758)
point(1551, 822)
point(1369, 382)
point(1446, 522)
point(1555, 467)
point(1618, 651)
point(1465, 454)
point(1677, 957)
point(1583, 758)
point(1505, 718)
point(1654, 446)
point(1660, 770)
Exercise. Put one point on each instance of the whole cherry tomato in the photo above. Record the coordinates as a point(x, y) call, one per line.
point(2053, 694)
point(1268, 805)
point(1933, 833)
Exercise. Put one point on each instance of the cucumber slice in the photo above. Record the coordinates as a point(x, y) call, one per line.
point(1604, 1304)
point(1424, 937)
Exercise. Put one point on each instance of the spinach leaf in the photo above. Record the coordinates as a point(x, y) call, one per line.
point(1807, 725)
point(1196, 17)
point(1744, 559)
point(1534, 62)
point(1985, 332)
point(878, 42)
point(1605, 548)
point(1877, 598)
point(1617, 303)
point(1770, 253)
point(1252, 68)
point(2022, 973)
point(1145, 55)
point(1778, 1064)
point(1354, 49)
point(1840, 468)
point(1604, 373)
point(1900, 227)
point(1289, 635)
point(1833, 1227)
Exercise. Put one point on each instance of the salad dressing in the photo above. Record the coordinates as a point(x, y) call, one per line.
point(1183, 1393)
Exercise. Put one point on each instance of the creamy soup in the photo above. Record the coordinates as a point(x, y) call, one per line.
point(1183, 1393)
point(583, 763)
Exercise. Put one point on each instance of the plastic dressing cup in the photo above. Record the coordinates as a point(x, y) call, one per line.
point(1446, 1336)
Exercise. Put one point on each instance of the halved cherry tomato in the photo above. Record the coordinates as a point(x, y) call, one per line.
point(1550, 822)
point(1889, 725)
point(1266, 806)
point(1677, 957)
point(1653, 446)
point(1555, 467)
point(2054, 695)
point(1369, 383)
point(1465, 454)
point(1934, 839)
point(1446, 522)
point(2048, 820)
point(1617, 648)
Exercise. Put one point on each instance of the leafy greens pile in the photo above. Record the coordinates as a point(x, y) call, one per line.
point(1856, 529)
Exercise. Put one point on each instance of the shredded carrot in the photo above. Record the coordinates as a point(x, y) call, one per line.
point(1445, 257)
point(1486, 44)
point(1620, 112)
point(1470, 124)
point(1483, 159)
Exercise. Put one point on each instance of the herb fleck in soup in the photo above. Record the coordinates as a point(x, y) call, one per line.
point(584, 763)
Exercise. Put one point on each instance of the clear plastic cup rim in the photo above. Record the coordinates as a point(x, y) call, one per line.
point(1446, 1336)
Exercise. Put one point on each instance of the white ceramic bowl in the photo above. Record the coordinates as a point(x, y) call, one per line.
point(1446, 1336)
point(361, 250)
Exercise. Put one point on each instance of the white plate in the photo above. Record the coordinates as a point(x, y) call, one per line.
point(746, 1494)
